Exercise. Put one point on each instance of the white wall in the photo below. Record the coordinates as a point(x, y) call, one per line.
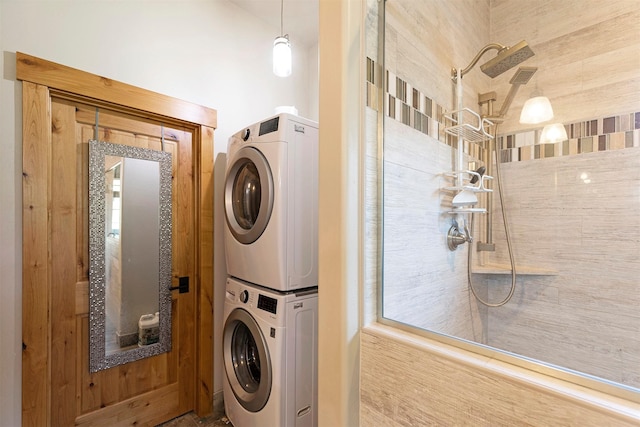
point(207, 52)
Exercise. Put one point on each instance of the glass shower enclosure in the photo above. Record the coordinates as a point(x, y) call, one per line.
point(571, 206)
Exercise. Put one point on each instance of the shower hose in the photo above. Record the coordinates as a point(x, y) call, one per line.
point(507, 234)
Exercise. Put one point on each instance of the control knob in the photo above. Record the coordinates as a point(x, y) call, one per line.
point(244, 296)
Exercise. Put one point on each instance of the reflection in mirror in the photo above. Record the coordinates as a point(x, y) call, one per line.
point(130, 251)
point(132, 207)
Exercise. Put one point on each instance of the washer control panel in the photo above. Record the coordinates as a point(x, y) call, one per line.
point(267, 303)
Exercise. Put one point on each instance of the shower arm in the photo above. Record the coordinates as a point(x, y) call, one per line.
point(487, 48)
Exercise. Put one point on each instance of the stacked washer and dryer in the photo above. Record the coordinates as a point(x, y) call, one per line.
point(271, 301)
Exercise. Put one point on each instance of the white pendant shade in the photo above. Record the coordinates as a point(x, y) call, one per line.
point(553, 133)
point(282, 57)
point(536, 110)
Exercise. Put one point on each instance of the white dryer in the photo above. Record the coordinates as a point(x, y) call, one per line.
point(271, 203)
point(270, 356)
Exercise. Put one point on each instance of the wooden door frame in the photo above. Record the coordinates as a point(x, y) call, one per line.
point(41, 80)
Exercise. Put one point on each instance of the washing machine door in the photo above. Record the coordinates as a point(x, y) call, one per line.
point(248, 195)
point(246, 360)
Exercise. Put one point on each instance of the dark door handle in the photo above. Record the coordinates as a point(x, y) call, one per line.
point(183, 285)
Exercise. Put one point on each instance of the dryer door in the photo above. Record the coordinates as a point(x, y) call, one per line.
point(246, 360)
point(248, 195)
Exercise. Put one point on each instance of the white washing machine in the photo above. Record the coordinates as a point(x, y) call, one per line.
point(271, 203)
point(270, 356)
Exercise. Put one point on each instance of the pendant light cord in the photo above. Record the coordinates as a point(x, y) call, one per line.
point(281, 17)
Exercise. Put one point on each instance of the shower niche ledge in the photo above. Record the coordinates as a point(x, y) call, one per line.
point(495, 268)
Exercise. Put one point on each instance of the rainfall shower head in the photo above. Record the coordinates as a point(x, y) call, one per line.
point(507, 58)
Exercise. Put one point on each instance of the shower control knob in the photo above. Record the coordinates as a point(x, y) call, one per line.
point(244, 296)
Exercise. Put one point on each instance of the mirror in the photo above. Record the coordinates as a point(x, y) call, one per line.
point(130, 254)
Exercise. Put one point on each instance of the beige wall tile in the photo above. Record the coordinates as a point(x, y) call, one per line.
point(410, 381)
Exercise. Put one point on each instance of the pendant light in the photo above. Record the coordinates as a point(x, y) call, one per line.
point(536, 110)
point(282, 50)
point(553, 133)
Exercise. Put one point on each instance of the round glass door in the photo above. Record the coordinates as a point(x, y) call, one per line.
point(248, 195)
point(246, 360)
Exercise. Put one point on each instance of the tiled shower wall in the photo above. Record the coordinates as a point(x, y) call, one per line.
point(586, 52)
point(575, 216)
point(416, 154)
point(549, 198)
point(424, 283)
point(571, 205)
point(413, 381)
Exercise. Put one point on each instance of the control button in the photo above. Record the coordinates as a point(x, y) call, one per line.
point(246, 135)
point(244, 296)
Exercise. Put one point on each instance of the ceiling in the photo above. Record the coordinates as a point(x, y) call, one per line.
point(300, 17)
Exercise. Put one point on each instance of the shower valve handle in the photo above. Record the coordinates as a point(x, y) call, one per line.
point(457, 237)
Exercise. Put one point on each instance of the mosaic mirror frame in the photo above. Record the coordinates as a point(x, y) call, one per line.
point(98, 357)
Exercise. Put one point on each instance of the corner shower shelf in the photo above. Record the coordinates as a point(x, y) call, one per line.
point(467, 175)
point(466, 191)
point(490, 268)
point(455, 211)
point(474, 130)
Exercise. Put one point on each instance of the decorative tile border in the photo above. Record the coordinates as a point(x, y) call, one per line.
point(603, 134)
point(413, 108)
point(405, 103)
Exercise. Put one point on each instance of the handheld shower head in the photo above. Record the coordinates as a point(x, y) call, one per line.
point(521, 77)
point(506, 59)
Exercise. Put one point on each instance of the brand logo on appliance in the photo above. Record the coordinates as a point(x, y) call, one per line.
point(298, 305)
point(298, 128)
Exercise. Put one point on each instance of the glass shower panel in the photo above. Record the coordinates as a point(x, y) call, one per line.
point(570, 207)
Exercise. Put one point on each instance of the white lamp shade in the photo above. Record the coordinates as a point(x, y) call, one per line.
point(536, 110)
point(553, 133)
point(281, 57)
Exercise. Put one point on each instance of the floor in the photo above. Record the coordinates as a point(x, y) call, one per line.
point(192, 420)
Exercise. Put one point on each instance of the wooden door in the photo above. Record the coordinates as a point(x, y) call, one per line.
point(58, 388)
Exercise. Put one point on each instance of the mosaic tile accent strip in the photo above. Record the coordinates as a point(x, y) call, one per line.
point(414, 108)
point(409, 105)
point(590, 136)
